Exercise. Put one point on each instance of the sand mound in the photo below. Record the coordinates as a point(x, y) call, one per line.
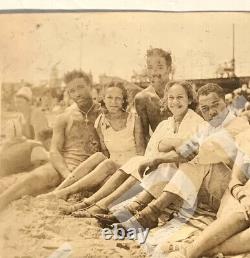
point(33, 227)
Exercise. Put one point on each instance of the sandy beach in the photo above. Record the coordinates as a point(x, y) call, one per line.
point(33, 227)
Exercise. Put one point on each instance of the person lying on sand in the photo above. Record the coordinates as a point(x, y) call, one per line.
point(23, 155)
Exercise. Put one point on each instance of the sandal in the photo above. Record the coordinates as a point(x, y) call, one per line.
point(140, 220)
point(121, 215)
point(106, 220)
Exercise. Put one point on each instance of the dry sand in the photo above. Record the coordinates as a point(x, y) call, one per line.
point(33, 227)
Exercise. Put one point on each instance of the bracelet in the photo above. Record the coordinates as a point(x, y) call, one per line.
point(233, 188)
point(241, 197)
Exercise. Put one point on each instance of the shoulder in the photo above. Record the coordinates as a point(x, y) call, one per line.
point(194, 117)
point(62, 119)
point(164, 124)
point(100, 120)
point(144, 94)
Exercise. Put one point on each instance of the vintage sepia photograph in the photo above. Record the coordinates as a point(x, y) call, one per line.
point(125, 134)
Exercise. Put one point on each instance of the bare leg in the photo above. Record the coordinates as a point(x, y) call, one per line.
point(93, 179)
point(36, 182)
point(112, 183)
point(110, 186)
point(216, 233)
point(122, 190)
point(83, 169)
point(237, 244)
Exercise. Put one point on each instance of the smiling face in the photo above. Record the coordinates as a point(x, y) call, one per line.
point(113, 99)
point(80, 92)
point(178, 101)
point(213, 108)
point(158, 71)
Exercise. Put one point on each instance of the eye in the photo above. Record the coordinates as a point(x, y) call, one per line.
point(205, 109)
point(215, 105)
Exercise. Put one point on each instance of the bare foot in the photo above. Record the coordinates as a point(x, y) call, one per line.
point(67, 208)
point(90, 212)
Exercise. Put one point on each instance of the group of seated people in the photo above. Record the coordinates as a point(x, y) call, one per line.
point(192, 154)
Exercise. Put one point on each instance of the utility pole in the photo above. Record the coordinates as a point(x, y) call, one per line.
point(233, 60)
point(81, 42)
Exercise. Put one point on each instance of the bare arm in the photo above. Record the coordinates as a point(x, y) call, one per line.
point(139, 138)
point(103, 146)
point(169, 144)
point(160, 158)
point(141, 110)
point(238, 178)
point(57, 142)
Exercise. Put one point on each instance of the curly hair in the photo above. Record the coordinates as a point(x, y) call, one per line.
point(70, 76)
point(187, 86)
point(121, 86)
point(162, 53)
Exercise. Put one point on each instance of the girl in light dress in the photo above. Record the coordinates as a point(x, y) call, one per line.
point(120, 134)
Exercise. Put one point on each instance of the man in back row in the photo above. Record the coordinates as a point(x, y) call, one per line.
point(149, 102)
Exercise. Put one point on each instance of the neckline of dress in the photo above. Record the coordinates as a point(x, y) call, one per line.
point(107, 121)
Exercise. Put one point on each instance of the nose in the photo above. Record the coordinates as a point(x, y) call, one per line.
point(212, 113)
point(113, 101)
point(175, 101)
point(155, 73)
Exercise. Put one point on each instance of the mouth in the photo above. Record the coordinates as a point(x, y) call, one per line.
point(176, 107)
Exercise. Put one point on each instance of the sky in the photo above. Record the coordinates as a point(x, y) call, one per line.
point(116, 43)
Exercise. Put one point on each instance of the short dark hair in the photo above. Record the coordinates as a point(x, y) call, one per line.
point(189, 90)
point(70, 76)
point(162, 53)
point(120, 85)
point(210, 88)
